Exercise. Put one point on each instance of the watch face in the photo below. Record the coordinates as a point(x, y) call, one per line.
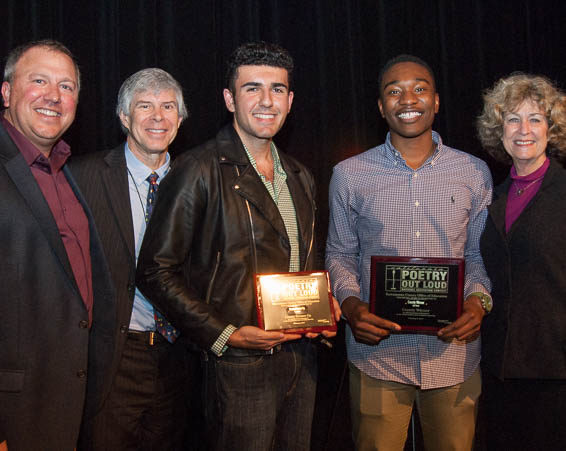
point(486, 303)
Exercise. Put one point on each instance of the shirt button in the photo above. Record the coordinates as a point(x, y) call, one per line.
point(415, 175)
point(236, 186)
point(417, 203)
point(83, 324)
point(418, 234)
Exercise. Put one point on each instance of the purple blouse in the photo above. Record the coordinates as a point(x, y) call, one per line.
point(521, 191)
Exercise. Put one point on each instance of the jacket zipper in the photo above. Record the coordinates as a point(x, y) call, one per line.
point(213, 278)
point(253, 233)
point(312, 236)
point(254, 249)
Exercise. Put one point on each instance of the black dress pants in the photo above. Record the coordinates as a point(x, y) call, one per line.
point(146, 408)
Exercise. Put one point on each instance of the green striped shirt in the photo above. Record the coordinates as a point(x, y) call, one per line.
point(280, 194)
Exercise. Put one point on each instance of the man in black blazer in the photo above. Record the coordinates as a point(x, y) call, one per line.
point(56, 297)
point(145, 407)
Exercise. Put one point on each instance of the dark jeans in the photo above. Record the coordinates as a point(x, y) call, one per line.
point(261, 402)
point(146, 407)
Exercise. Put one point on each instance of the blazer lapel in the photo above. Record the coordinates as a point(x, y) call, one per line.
point(249, 185)
point(303, 207)
point(498, 207)
point(20, 173)
point(116, 186)
point(252, 188)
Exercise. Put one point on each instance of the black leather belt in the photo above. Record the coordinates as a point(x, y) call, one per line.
point(150, 337)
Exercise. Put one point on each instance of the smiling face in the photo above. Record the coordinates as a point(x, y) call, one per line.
point(260, 102)
point(408, 100)
point(152, 124)
point(41, 99)
point(525, 137)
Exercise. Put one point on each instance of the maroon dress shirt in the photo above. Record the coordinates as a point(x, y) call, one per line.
point(521, 191)
point(66, 209)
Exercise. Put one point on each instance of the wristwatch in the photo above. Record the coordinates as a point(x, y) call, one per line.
point(485, 299)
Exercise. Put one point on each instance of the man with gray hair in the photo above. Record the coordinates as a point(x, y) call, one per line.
point(145, 405)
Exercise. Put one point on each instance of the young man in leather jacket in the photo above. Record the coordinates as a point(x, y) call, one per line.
point(230, 208)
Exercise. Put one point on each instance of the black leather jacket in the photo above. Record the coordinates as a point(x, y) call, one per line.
point(213, 227)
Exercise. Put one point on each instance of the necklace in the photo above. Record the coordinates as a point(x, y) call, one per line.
point(520, 191)
point(137, 190)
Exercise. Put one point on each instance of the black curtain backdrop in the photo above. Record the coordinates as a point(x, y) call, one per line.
point(338, 46)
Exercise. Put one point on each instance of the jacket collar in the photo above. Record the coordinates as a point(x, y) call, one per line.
point(249, 185)
point(116, 157)
point(231, 150)
point(19, 172)
point(8, 149)
point(115, 178)
point(498, 206)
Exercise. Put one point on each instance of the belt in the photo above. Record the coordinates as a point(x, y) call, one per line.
point(149, 337)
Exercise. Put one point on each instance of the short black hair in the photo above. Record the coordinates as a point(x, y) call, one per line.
point(404, 58)
point(258, 54)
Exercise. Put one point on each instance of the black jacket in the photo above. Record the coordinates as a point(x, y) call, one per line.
point(525, 334)
point(48, 355)
point(103, 180)
point(198, 258)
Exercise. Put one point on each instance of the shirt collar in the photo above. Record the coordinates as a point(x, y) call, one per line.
point(277, 167)
point(32, 155)
point(533, 175)
point(393, 153)
point(139, 171)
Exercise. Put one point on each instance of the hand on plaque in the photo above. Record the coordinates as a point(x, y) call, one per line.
point(328, 333)
point(467, 326)
point(366, 327)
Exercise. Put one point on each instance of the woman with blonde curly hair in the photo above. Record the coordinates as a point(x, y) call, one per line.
point(524, 251)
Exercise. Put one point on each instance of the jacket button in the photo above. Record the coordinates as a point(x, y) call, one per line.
point(123, 329)
point(83, 324)
point(81, 374)
point(131, 287)
point(236, 186)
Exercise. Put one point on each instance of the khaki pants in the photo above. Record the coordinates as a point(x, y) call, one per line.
point(381, 412)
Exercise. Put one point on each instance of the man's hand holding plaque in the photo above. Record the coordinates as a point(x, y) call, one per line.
point(367, 328)
point(467, 326)
point(299, 302)
point(252, 337)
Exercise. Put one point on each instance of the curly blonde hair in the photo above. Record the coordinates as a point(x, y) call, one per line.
point(507, 95)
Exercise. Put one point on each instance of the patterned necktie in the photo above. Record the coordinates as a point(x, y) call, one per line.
point(163, 326)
